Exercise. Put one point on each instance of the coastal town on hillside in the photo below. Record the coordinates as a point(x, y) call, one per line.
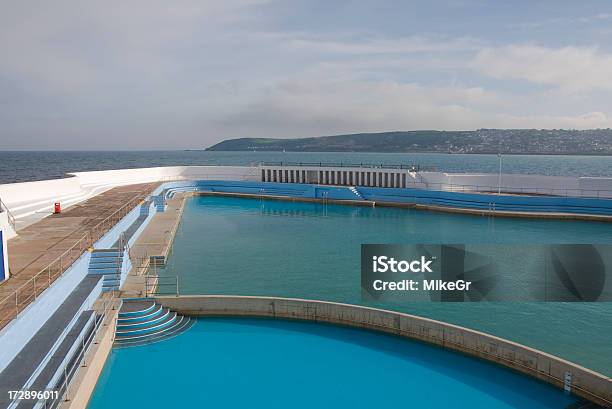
point(506, 141)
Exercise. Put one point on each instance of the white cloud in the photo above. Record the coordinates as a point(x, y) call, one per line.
point(65, 45)
point(191, 72)
point(603, 16)
point(355, 45)
point(566, 20)
point(568, 68)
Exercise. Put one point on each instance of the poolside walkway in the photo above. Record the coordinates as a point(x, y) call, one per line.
point(55, 242)
point(154, 241)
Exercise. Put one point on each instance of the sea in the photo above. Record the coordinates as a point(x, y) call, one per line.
point(24, 166)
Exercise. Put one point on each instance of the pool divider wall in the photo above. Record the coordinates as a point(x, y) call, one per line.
point(454, 202)
point(585, 383)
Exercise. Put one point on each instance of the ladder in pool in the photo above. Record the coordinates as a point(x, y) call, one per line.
point(356, 192)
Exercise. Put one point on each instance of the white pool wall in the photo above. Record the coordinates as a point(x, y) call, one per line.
point(31, 201)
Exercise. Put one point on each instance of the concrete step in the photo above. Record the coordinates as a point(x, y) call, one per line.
point(151, 313)
point(111, 250)
point(181, 326)
point(107, 255)
point(145, 323)
point(106, 261)
point(137, 307)
point(111, 269)
point(142, 321)
point(152, 329)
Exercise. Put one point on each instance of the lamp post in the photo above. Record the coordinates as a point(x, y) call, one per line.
point(499, 156)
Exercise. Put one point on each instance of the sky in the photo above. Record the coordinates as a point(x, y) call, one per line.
point(136, 74)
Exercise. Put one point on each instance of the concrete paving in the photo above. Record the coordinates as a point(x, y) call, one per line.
point(43, 242)
point(154, 241)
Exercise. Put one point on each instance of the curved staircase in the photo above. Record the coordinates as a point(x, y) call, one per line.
point(142, 321)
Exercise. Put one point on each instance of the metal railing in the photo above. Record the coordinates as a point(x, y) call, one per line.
point(161, 285)
point(104, 226)
point(72, 366)
point(513, 190)
point(409, 167)
point(172, 233)
point(20, 298)
point(139, 259)
point(9, 215)
point(13, 304)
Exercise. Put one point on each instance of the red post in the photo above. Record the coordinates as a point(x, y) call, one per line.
point(57, 208)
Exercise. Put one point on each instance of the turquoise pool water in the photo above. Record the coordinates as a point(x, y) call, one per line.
point(277, 248)
point(251, 363)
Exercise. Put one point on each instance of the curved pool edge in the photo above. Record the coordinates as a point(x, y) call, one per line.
point(584, 382)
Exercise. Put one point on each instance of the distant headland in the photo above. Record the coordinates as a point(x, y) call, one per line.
point(506, 141)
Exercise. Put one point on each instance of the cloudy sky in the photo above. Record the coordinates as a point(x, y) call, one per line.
point(186, 74)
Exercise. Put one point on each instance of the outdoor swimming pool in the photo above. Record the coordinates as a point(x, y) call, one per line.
point(307, 250)
point(242, 363)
